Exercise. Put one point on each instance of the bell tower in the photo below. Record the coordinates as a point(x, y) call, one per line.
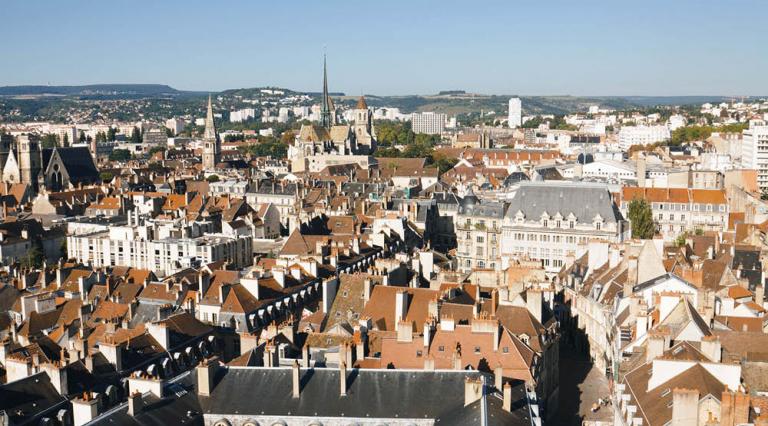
point(211, 142)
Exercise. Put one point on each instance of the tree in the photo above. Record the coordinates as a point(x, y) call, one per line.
point(111, 134)
point(49, 140)
point(34, 257)
point(288, 137)
point(120, 155)
point(212, 178)
point(65, 142)
point(82, 136)
point(641, 219)
point(106, 176)
point(136, 135)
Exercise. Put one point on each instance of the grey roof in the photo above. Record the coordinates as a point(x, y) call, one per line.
point(491, 209)
point(384, 394)
point(584, 200)
point(29, 398)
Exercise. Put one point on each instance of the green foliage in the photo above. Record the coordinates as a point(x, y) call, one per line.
point(444, 163)
point(394, 133)
point(136, 135)
point(106, 176)
point(641, 219)
point(82, 136)
point(697, 133)
point(213, 178)
point(34, 257)
point(155, 149)
point(268, 147)
point(49, 140)
point(120, 155)
point(111, 134)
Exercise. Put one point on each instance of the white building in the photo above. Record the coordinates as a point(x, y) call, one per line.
point(176, 125)
point(642, 135)
point(431, 123)
point(242, 115)
point(515, 119)
point(754, 153)
point(136, 246)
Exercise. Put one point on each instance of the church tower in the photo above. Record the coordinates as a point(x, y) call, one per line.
point(29, 159)
point(6, 141)
point(365, 134)
point(327, 109)
point(211, 142)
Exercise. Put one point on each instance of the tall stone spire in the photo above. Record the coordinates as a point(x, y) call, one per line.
point(326, 110)
point(211, 142)
point(210, 125)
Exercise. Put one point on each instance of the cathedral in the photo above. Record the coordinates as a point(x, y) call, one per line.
point(54, 169)
point(331, 142)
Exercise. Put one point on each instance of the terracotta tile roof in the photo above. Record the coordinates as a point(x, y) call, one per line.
point(381, 307)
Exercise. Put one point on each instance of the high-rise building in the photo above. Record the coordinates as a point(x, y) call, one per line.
point(754, 153)
point(515, 119)
point(431, 123)
point(212, 143)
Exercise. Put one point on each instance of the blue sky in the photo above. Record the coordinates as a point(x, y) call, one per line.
point(655, 47)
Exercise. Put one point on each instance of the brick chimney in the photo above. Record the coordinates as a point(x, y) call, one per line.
point(734, 408)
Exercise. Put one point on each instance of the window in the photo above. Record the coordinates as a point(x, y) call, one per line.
point(557, 224)
point(661, 216)
point(546, 223)
point(682, 217)
point(418, 354)
point(571, 224)
point(477, 349)
point(505, 349)
point(441, 348)
point(480, 251)
point(480, 239)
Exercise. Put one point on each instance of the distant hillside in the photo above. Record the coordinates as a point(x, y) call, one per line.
point(130, 90)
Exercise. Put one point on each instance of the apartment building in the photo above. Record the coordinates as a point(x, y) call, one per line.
point(478, 233)
point(136, 246)
point(755, 152)
point(548, 222)
point(642, 135)
point(677, 210)
point(431, 123)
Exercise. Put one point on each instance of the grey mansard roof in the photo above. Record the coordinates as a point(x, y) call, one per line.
point(483, 209)
point(584, 200)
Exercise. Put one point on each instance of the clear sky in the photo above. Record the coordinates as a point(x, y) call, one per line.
point(551, 47)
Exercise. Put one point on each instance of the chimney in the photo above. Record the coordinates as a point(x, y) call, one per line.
point(712, 348)
point(656, 345)
point(641, 172)
point(734, 408)
point(159, 331)
point(404, 331)
point(456, 360)
point(533, 303)
point(427, 333)
point(84, 409)
point(305, 356)
point(296, 374)
point(59, 277)
point(498, 377)
point(507, 401)
point(685, 407)
point(760, 293)
point(473, 390)
point(631, 280)
point(401, 305)
point(343, 378)
point(135, 403)
point(429, 363)
point(367, 289)
point(206, 374)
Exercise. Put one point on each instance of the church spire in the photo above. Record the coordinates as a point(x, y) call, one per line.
point(210, 125)
point(326, 109)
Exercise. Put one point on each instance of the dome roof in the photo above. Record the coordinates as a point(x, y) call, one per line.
point(470, 199)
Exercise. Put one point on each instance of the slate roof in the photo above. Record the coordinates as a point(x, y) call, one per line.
point(26, 399)
point(585, 201)
point(78, 162)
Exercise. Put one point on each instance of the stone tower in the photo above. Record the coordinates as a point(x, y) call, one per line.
point(212, 144)
point(30, 161)
point(6, 141)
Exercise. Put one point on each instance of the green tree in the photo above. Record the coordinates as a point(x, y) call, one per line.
point(120, 155)
point(82, 136)
point(111, 134)
point(49, 140)
point(212, 178)
point(106, 176)
point(641, 219)
point(34, 257)
point(136, 135)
